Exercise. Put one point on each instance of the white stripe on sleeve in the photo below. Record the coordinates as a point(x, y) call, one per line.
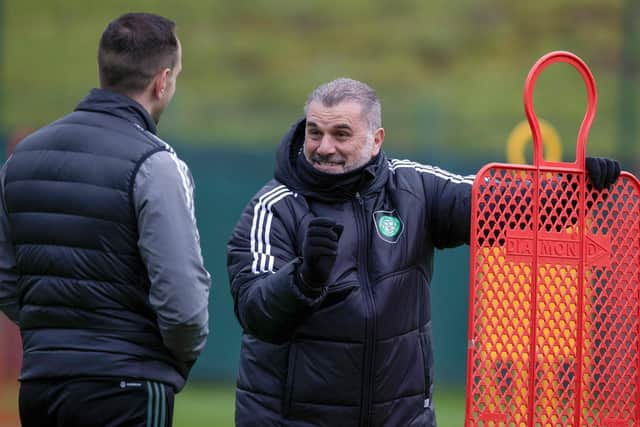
point(263, 261)
point(432, 170)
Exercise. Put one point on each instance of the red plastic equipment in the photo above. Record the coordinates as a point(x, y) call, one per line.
point(554, 312)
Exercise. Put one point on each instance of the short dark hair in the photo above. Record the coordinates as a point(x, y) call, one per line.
point(133, 48)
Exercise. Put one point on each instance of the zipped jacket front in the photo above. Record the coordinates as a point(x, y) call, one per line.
point(360, 353)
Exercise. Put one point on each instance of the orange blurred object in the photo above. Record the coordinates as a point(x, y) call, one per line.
point(10, 362)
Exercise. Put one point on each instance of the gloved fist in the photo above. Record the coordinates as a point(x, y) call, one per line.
point(603, 172)
point(319, 252)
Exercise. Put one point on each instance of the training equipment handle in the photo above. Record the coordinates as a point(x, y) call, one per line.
point(592, 101)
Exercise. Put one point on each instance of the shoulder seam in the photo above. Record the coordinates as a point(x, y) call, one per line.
point(151, 137)
point(134, 173)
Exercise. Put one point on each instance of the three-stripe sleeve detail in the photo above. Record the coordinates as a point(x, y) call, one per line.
point(263, 261)
point(433, 170)
point(156, 404)
point(182, 168)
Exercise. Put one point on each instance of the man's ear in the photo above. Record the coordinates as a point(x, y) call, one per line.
point(160, 82)
point(378, 137)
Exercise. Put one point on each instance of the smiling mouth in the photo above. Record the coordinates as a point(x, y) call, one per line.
point(329, 166)
point(329, 163)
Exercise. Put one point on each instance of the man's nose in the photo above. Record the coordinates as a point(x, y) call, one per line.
point(327, 145)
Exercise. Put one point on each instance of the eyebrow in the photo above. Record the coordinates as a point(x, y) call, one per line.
point(338, 126)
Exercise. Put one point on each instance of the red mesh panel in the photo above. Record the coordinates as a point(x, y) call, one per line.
point(554, 304)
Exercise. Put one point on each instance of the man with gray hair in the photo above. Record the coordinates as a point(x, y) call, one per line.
point(330, 267)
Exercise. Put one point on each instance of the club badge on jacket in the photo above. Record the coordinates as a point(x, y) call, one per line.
point(389, 225)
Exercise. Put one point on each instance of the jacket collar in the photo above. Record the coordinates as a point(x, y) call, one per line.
point(119, 105)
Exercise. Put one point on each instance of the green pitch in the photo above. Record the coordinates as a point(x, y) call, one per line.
point(200, 405)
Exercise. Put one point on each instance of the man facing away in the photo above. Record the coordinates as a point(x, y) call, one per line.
point(330, 267)
point(100, 260)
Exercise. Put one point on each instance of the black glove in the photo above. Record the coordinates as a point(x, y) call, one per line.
point(603, 172)
point(319, 252)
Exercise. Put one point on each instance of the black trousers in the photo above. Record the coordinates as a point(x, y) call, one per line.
point(100, 402)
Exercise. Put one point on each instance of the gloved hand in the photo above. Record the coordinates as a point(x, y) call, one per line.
point(319, 252)
point(603, 172)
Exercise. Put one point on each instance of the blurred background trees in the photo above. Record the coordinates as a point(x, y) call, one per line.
point(450, 73)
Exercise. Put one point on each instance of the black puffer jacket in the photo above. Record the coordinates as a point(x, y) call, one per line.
point(360, 354)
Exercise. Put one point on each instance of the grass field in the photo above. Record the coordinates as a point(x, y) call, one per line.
point(200, 405)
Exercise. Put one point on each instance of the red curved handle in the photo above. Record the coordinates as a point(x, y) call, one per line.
point(592, 100)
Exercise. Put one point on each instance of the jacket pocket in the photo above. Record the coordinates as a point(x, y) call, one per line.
point(337, 294)
point(397, 273)
point(427, 357)
point(288, 386)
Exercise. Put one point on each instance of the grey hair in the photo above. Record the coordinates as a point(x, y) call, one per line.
point(348, 90)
